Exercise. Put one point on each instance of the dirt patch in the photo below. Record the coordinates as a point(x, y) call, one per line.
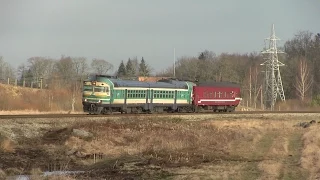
point(58, 136)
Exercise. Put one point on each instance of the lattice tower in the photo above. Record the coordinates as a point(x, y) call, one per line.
point(273, 83)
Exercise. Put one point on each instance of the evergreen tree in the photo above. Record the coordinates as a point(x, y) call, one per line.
point(143, 68)
point(121, 70)
point(130, 71)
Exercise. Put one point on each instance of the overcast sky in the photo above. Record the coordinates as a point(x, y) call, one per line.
point(118, 29)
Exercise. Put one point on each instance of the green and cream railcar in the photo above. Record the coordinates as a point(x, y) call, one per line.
point(116, 95)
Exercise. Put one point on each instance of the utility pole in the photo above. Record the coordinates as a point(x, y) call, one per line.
point(273, 83)
point(174, 62)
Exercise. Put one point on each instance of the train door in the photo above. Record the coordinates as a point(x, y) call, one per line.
point(112, 93)
point(146, 106)
point(125, 100)
point(149, 100)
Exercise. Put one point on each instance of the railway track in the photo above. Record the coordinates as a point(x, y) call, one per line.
point(22, 116)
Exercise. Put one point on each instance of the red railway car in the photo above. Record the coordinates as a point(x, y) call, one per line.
point(216, 96)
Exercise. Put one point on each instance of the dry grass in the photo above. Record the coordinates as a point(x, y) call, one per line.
point(310, 159)
point(6, 145)
point(185, 147)
point(27, 99)
point(25, 112)
point(3, 174)
point(135, 136)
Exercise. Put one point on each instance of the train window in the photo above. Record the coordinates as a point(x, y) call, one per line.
point(99, 89)
point(87, 88)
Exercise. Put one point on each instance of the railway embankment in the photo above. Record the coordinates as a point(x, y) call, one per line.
point(15, 99)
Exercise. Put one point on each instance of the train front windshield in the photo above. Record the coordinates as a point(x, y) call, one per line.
point(101, 89)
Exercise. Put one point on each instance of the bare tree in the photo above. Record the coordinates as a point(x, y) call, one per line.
point(303, 79)
point(101, 66)
point(6, 70)
point(135, 65)
point(188, 68)
point(80, 66)
point(40, 67)
point(253, 83)
point(64, 69)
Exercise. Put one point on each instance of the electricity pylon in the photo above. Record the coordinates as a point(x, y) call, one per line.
point(273, 83)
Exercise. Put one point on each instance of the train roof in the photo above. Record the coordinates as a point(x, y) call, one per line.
point(172, 84)
point(218, 84)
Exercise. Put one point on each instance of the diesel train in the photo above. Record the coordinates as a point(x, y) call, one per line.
point(104, 94)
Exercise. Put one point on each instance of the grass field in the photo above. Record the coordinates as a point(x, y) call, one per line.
point(222, 146)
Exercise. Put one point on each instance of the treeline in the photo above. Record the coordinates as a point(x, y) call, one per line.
point(67, 70)
point(300, 75)
point(133, 68)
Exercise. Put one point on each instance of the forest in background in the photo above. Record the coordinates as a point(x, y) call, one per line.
point(63, 77)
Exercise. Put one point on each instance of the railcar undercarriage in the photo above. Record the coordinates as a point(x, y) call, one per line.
point(96, 108)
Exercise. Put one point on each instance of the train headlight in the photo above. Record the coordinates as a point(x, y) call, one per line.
point(100, 101)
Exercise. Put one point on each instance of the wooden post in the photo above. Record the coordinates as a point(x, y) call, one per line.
point(261, 99)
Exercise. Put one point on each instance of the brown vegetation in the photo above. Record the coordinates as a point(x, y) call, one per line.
point(230, 147)
point(14, 98)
